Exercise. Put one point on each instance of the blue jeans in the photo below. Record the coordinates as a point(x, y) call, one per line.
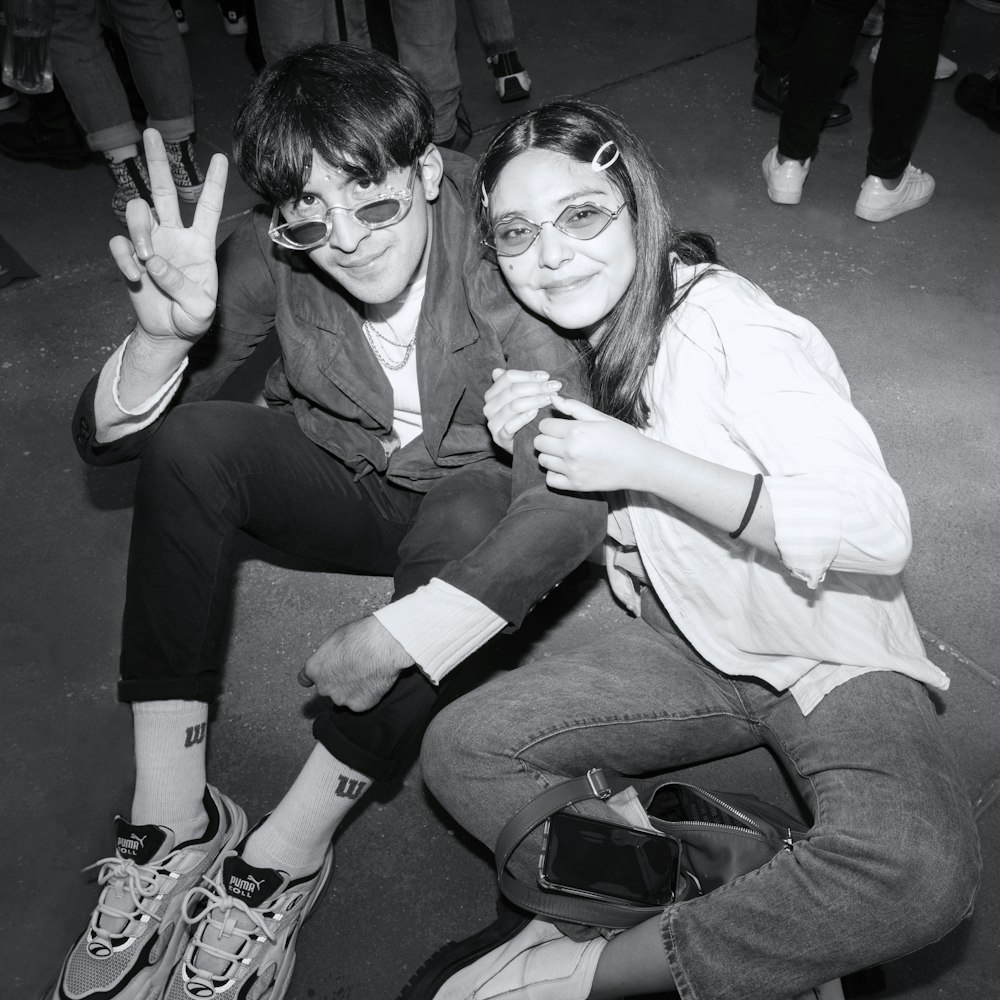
point(285, 25)
point(159, 63)
point(494, 26)
point(901, 85)
point(425, 40)
point(891, 862)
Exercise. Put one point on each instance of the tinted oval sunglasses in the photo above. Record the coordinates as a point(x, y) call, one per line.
point(307, 234)
point(511, 237)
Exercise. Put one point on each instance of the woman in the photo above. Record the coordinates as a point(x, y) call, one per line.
point(758, 538)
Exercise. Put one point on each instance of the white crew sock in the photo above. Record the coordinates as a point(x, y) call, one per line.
point(295, 836)
point(170, 766)
point(120, 153)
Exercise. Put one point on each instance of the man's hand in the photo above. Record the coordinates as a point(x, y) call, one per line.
point(357, 665)
point(171, 272)
point(514, 400)
point(592, 452)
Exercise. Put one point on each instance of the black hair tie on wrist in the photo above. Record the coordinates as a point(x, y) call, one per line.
point(758, 482)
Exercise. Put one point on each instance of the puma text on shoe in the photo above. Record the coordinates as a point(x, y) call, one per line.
point(245, 922)
point(137, 932)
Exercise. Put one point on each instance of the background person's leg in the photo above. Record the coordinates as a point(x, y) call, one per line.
point(425, 39)
point(159, 63)
point(821, 56)
point(284, 25)
point(87, 73)
point(777, 25)
point(902, 82)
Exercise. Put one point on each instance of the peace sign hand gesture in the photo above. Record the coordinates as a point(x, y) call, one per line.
point(171, 272)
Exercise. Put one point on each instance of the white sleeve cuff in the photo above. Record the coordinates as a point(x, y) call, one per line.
point(114, 420)
point(439, 626)
point(807, 525)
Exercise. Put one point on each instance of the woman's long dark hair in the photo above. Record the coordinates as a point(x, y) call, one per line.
point(629, 336)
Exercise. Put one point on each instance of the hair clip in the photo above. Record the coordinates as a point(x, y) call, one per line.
point(596, 165)
point(486, 197)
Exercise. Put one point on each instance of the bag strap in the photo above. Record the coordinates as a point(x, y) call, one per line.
point(595, 784)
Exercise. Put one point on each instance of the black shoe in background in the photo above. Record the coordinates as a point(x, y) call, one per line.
point(771, 91)
point(979, 95)
point(50, 133)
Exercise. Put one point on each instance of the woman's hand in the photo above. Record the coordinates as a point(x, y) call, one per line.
point(514, 400)
point(171, 271)
point(591, 452)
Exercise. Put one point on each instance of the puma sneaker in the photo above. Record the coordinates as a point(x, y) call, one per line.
point(137, 932)
point(245, 924)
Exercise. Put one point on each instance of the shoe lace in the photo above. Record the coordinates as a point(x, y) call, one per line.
point(121, 875)
point(220, 914)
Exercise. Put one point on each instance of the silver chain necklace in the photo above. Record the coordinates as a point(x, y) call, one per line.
point(373, 337)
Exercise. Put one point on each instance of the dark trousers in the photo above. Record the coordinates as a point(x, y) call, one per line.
point(216, 470)
point(777, 26)
point(901, 86)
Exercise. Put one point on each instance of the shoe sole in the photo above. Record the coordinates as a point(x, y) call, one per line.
point(509, 89)
point(884, 214)
point(783, 198)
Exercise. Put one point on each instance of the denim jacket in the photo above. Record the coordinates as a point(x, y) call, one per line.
point(338, 392)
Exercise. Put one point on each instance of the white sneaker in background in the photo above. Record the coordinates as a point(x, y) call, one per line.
point(784, 180)
point(876, 203)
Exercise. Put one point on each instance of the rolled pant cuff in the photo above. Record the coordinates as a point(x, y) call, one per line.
point(105, 139)
point(173, 129)
point(169, 689)
point(377, 768)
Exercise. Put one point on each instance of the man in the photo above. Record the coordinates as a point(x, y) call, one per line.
point(372, 455)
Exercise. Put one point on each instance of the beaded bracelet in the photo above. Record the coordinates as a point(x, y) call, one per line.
point(758, 482)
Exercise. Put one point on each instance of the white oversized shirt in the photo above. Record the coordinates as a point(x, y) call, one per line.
point(744, 383)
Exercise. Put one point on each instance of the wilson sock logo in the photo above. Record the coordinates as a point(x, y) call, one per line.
point(195, 734)
point(349, 788)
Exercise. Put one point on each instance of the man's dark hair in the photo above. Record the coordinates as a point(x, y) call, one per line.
point(357, 109)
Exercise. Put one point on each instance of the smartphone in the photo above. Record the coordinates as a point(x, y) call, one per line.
point(600, 860)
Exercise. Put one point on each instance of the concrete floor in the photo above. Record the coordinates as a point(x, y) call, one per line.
point(911, 306)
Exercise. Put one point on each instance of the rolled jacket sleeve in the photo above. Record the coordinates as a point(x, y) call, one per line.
point(835, 506)
point(546, 533)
